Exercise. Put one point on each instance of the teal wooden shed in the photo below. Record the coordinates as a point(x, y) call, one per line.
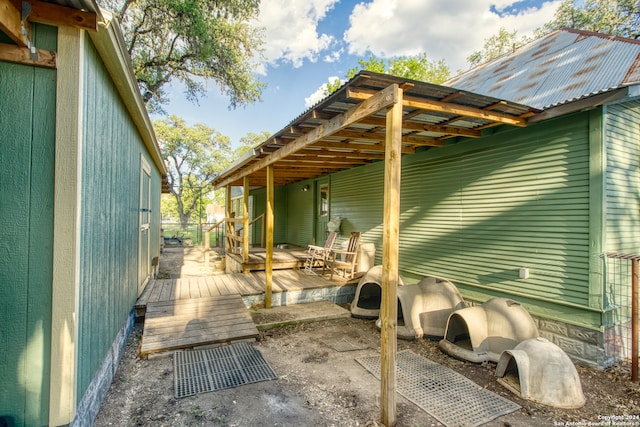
point(518, 177)
point(80, 188)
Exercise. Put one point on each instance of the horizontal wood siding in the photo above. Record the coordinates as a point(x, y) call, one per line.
point(110, 195)
point(27, 120)
point(622, 194)
point(477, 211)
point(279, 213)
point(357, 197)
point(300, 208)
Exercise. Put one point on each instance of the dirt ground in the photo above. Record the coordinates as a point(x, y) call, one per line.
point(318, 386)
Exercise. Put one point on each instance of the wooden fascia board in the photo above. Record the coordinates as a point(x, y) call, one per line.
point(10, 23)
point(447, 107)
point(373, 104)
point(22, 55)
point(49, 13)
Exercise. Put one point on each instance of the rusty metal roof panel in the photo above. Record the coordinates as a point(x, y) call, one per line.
point(564, 66)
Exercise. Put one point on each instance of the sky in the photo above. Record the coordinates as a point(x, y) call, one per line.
point(310, 42)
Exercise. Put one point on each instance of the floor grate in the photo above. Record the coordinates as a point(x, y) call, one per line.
point(451, 398)
point(200, 371)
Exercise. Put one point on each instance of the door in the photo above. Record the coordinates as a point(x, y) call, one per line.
point(322, 211)
point(144, 263)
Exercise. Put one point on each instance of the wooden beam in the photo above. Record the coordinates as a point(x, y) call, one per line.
point(390, 250)
point(245, 220)
point(50, 13)
point(269, 226)
point(22, 55)
point(449, 130)
point(328, 145)
point(230, 226)
point(374, 103)
point(447, 107)
point(10, 23)
point(422, 141)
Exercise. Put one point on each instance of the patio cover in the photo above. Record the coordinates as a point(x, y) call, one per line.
point(371, 118)
point(347, 129)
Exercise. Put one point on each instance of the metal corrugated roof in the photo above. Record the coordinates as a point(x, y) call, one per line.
point(564, 66)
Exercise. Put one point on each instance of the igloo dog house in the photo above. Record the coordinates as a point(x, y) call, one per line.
point(423, 308)
point(366, 302)
point(540, 371)
point(482, 333)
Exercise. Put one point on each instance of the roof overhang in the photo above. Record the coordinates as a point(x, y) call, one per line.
point(347, 129)
point(16, 17)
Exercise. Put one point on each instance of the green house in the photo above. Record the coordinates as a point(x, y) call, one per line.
point(518, 177)
point(80, 181)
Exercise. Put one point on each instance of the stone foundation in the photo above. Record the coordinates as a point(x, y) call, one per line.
point(584, 346)
point(337, 294)
point(89, 406)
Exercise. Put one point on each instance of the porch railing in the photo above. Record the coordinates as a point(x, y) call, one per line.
point(234, 235)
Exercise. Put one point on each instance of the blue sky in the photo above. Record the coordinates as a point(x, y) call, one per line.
point(310, 41)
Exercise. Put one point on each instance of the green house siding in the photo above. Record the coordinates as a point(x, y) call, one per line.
point(27, 114)
point(109, 223)
point(280, 214)
point(479, 210)
point(357, 198)
point(301, 214)
point(622, 195)
point(622, 207)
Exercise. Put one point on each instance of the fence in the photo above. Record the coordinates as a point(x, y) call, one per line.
point(191, 235)
point(621, 302)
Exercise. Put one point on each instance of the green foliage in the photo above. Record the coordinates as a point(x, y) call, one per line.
point(614, 17)
point(415, 67)
point(249, 141)
point(194, 156)
point(193, 41)
point(495, 46)
point(418, 67)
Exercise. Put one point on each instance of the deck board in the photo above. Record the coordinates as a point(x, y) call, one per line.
point(176, 324)
point(244, 284)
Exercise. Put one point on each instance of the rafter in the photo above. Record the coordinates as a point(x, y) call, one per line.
point(328, 145)
point(377, 102)
point(10, 23)
point(446, 107)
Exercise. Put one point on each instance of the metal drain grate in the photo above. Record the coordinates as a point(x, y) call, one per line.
point(451, 398)
point(199, 371)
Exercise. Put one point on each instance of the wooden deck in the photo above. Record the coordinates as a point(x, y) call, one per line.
point(257, 260)
point(243, 284)
point(195, 311)
point(177, 324)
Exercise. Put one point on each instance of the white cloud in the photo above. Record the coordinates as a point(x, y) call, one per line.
point(319, 94)
point(334, 56)
point(291, 30)
point(449, 30)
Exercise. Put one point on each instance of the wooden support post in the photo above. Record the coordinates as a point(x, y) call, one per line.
point(634, 320)
point(245, 220)
point(390, 244)
point(230, 226)
point(269, 244)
